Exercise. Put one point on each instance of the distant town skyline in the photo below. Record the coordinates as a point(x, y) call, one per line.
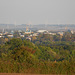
point(37, 12)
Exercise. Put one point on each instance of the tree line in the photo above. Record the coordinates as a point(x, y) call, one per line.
point(22, 56)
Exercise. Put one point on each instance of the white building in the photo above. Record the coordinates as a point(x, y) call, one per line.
point(10, 35)
point(60, 33)
point(28, 38)
point(52, 33)
point(72, 31)
point(21, 35)
point(35, 34)
point(1, 34)
point(28, 32)
point(42, 31)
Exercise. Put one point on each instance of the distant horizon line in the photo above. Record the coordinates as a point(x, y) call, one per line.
point(37, 24)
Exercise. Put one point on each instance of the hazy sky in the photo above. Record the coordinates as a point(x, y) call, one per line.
point(37, 11)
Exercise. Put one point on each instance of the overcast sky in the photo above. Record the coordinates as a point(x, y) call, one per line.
point(37, 11)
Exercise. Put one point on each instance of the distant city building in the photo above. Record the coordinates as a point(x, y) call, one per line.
point(35, 34)
point(5, 33)
point(12, 32)
point(72, 31)
point(60, 33)
point(27, 31)
point(10, 35)
point(21, 35)
point(42, 31)
point(1, 34)
point(31, 35)
point(52, 33)
point(28, 38)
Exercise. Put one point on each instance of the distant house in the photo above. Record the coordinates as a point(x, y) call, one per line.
point(21, 35)
point(31, 35)
point(1, 34)
point(28, 38)
point(35, 34)
point(72, 31)
point(60, 33)
point(52, 33)
point(28, 32)
point(42, 31)
point(5, 33)
point(10, 35)
point(12, 32)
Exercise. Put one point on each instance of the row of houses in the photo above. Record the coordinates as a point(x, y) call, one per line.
point(29, 33)
point(22, 34)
